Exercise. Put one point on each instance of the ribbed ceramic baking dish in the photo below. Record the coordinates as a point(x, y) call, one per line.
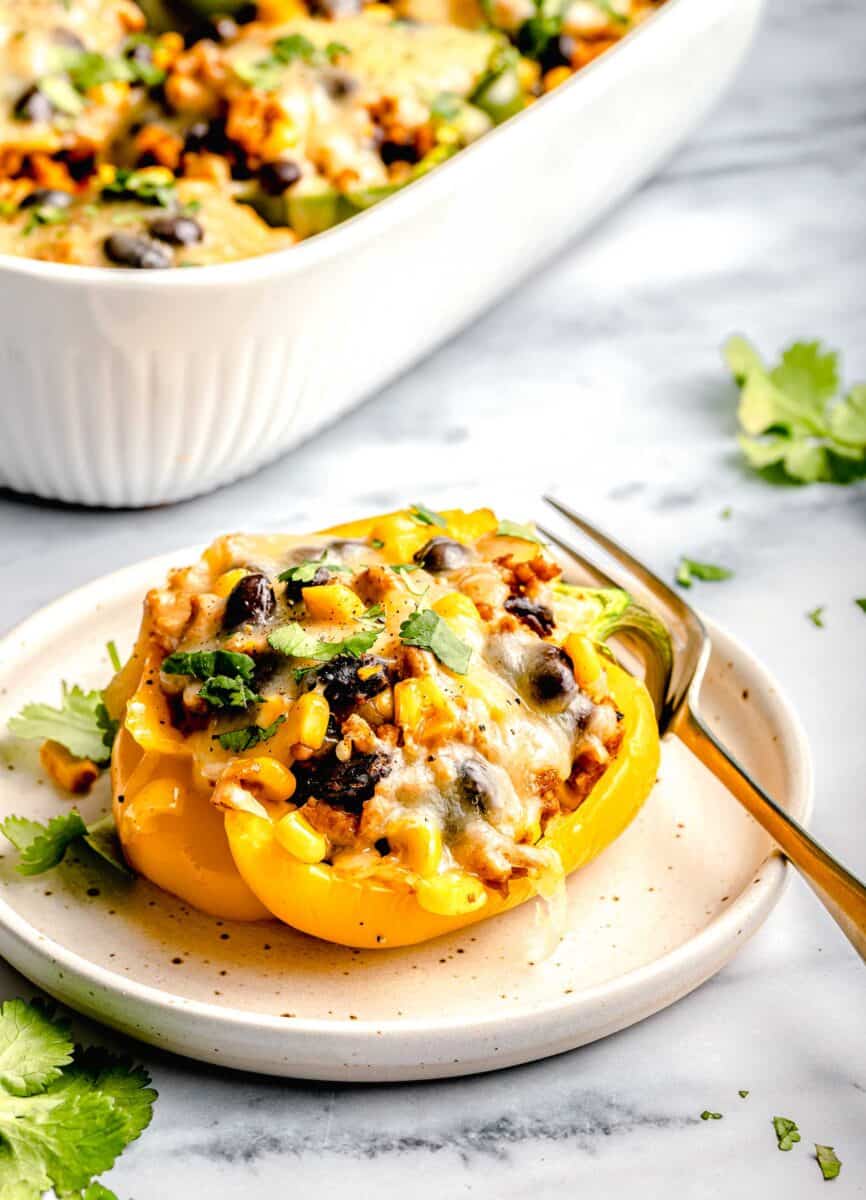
point(135, 388)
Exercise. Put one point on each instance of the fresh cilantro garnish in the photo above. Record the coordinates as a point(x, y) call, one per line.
point(305, 572)
point(405, 568)
point(81, 724)
point(426, 516)
point(113, 656)
point(706, 1115)
point(334, 50)
point(787, 1132)
point(536, 33)
point(743, 1093)
point(224, 691)
point(250, 735)
point(226, 676)
point(293, 46)
point(427, 630)
point(726, 512)
point(816, 616)
point(794, 424)
point(138, 185)
point(42, 846)
point(65, 1113)
point(445, 106)
point(266, 73)
point(860, 601)
point(43, 214)
point(828, 1162)
point(689, 570)
point(376, 612)
point(204, 664)
point(295, 642)
point(524, 532)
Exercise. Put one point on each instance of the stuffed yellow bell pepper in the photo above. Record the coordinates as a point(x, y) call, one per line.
point(378, 733)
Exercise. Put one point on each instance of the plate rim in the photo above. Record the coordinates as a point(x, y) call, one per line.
point(745, 914)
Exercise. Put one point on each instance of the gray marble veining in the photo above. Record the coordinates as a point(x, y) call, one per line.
point(758, 224)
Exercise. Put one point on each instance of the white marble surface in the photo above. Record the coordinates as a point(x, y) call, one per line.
point(759, 224)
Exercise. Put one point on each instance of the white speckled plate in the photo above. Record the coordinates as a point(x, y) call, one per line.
point(657, 914)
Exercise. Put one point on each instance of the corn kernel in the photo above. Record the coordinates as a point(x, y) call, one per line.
point(72, 774)
point(276, 781)
point(451, 894)
point(557, 76)
point(297, 837)
point(528, 73)
point(333, 602)
point(421, 707)
point(421, 845)
point(229, 580)
point(585, 662)
point(307, 723)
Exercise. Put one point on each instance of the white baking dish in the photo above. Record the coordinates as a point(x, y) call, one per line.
point(135, 388)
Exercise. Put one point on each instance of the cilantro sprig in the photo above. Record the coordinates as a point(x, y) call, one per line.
point(226, 674)
point(81, 724)
point(66, 1114)
point(786, 1131)
point(295, 642)
point(689, 569)
point(794, 423)
point(42, 846)
point(250, 735)
point(428, 631)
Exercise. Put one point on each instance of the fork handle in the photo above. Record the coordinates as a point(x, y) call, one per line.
point(841, 893)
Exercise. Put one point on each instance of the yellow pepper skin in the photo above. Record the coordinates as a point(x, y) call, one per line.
point(356, 912)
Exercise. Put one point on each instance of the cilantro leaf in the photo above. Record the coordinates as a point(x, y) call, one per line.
point(787, 1132)
point(525, 533)
point(139, 185)
point(72, 1126)
point(816, 616)
point(305, 572)
point(792, 421)
point(250, 735)
point(706, 1115)
point(81, 724)
point(426, 516)
point(42, 846)
point(224, 691)
point(405, 568)
point(828, 1162)
point(33, 1048)
point(743, 1093)
point(294, 641)
point(689, 569)
point(334, 50)
point(205, 664)
point(427, 630)
point(861, 602)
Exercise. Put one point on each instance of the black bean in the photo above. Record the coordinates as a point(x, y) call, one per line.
point(339, 84)
point(277, 177)
point(343, 686)
point(383, 846)
point(441, 554)
point(476, 786)
point(537, 617)
point(176, 229)
point(250, 600)
point(136, 250)
point(207, 135)
point(46, 198)
point(345, 785)
point(550, 682)
point(557, 53)
point(394, 152)
point(33, 106)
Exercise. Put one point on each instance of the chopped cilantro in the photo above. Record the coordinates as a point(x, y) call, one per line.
point(81, 724)
point(743, 1093)
point(294, 45)
point(88, 69)
point(816, 616)
point(204, 664)
point(376, 612)
point(139, 185)
point(794, 424)
point(305, 572)
point(114, 657)
point(227, 691)
point(689, 569)
point(43, 214)
point(65, 1113)
point(334, 50)
point(828, 1162)
point(787, 1132)
point(706, 1115)
point(266, 73)
point(405, 568)
point(250, 735)
point(426, 516)
point(524, 532)
point(427, 630)
point(726, 512)
point(860, 601)
point(294, 641)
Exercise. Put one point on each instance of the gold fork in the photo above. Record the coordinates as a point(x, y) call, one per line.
point(676, 685)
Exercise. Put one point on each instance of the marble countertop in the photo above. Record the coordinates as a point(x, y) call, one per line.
point(757, 225)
